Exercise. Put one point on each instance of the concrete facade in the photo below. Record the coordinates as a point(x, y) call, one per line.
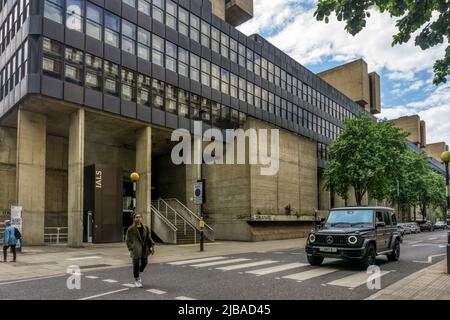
point(353, 80)
point(435, 150)
point(411, 125)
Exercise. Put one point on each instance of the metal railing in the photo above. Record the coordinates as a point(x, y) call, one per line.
point(190, 216)
point(175, 217)
point(58, 236)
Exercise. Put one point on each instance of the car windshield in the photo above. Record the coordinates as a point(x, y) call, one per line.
point(350, 217)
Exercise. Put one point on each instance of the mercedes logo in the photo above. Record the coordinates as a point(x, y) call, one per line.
point(330, 239)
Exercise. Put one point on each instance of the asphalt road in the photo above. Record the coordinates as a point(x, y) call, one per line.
point(275, 275)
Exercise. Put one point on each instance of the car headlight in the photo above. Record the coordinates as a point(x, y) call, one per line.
point(352, 240)
point(312, 238)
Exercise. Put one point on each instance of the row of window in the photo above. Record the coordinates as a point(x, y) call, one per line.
point(322, 152)
point(105, 26)
point(14, 70)
point(102, 75)
point(13, 22)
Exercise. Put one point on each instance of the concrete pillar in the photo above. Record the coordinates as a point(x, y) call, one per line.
point(30, 187)
point(76, 178)
point(144, 168)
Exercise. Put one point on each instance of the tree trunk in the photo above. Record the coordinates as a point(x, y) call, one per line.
point(359, 196)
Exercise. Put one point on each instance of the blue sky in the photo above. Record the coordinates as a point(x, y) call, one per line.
point(406, 70)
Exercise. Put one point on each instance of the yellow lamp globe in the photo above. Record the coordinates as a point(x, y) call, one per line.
point(445, 157)
point(134, 176)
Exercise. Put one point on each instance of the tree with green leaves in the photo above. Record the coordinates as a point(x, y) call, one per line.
point(366, 157)
point(431, 192)
point(431, 17)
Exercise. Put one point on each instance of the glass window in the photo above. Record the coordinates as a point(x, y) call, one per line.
point(215, 77)
point(215, 40)
point(195, 67)
point(171, 99)
point(143, 44)
point(183, 62)
point(53, 10)
point(112, 29)
point(128, 85)
point(111, 81)
point(206, 71)
point(131, 3)
point(224, 44)
point(158, 94)
point(73, 69)
point(183, 103)
point(52, 59)
point(94, 21)
point(75, 14)
point(158, 10)
point(144, 6)
point(171, 56)
point(225, 81)
point(171, 14)
point(128, 36)
point(195, 105)
point(195, 28)
point(158, 51)
point(94, 66)
point(205, 34)
point(183, 21)
point(144, 87)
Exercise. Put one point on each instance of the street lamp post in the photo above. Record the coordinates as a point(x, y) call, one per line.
point(446, 159)
point(135, 178)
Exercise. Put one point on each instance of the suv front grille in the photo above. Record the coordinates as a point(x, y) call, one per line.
point(337, 239)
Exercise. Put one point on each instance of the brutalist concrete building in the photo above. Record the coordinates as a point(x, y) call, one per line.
point(91, 90)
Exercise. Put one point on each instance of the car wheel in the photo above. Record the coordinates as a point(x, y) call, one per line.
point(395, 255)
point(315, 261)
point(369, 259)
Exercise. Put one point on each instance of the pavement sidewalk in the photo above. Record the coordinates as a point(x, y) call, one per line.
point(47, 261)
point(432, 283)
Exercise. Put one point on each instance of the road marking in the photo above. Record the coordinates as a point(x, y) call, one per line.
point(104, 294)
point(129, 285)
point(155, 291)
point(110, 281)
point(305, 275)
point(430, 258)
point(426, 245)
point(283, 267)
point(297, 253)
point(91, 277)
point(247, 265)
point(216, 263)
point(414, 242)
point(357, 279)
point(177, 263)
point(32, 279)
point(183, 298)
point(434, 238)
point(84, 258)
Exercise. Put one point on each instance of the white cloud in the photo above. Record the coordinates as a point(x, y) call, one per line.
point(434, 110)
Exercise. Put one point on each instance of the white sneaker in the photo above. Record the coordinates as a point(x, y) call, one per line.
point(138, 283)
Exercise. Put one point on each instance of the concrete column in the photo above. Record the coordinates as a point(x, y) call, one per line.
point(144, 168)
point(76, 178)
point(30, 179)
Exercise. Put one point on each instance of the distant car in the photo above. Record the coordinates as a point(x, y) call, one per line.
point(441, 225)
point(426, 225)
point(406, 228)
point(415, 228)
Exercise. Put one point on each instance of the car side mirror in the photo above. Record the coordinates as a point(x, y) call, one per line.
point(380, 225)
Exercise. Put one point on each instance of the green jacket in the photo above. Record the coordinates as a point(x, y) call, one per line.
point(139, 247)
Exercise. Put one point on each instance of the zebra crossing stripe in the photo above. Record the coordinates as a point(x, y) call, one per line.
point(155, 291)
point(183, 298)
point(110, 281)
point(178, 263)
point(305, 275)
point(246, 265)
point(216, 263)
point(91, 277)
point(283, 267)
point(129, 285)
point(357, 279)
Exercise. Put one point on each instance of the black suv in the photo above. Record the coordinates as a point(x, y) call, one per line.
point(356, 233)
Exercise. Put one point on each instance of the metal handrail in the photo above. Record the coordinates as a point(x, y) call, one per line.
point(59, 235)
point(160, 203)
point(167, 221)
point(209, 231)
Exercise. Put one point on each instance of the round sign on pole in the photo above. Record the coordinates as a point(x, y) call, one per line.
point(198, 193)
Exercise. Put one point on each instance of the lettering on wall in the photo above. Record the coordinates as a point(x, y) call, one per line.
point(98, 179)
